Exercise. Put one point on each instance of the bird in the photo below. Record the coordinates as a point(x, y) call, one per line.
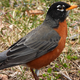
point(43, 44)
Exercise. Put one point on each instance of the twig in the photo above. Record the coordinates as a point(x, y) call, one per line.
point(77, 66)
point(67, 76)
point(73, 37)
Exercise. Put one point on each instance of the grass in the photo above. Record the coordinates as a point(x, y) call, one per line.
point(16, 24)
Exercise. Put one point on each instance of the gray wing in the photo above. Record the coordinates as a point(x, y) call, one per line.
point(30, 47)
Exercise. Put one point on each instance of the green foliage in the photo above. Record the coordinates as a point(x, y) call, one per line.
point(5, 3)
point(56, 76)
point(40, 79)
point(65, 65)
point(49, 70)
point(74, 57)
point(78, 71)
point(47, 76)
point(71, 57)
point(44, 75)
point(56, 66)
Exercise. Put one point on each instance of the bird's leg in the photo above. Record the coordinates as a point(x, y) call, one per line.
point(35, 76)
point(37, 72)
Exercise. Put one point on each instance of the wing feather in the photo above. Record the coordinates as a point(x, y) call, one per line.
point(26, 50)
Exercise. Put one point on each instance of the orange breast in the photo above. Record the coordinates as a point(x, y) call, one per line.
point(49, 57)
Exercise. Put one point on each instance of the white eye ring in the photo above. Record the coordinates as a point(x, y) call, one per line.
point(58, 6)
point(60, 10)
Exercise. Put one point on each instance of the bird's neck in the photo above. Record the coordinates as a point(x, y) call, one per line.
point(62, 29)
point(53, 23)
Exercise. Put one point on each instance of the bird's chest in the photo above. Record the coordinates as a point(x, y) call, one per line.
point(62, 29)
point(52, 55)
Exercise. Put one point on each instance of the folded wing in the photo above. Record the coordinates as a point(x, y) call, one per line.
point(29, 48)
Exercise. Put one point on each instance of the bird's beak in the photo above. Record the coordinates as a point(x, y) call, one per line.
point(72, 7)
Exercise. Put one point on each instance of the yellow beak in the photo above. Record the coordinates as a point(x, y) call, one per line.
point(72, 7)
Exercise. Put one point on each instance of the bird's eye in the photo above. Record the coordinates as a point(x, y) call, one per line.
point(60, 8)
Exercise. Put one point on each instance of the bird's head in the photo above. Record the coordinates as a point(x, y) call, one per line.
point(60, 10)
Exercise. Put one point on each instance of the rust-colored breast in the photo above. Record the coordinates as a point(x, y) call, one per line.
point(49, 57)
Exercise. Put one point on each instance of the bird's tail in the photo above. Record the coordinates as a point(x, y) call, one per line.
point(3, 57)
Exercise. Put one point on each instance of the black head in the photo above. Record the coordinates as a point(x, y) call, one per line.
point(58, 11)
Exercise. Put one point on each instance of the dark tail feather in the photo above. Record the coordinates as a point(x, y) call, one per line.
point(3, 57)
point(4, 63)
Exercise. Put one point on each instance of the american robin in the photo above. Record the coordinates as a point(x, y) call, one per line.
point(43, 44)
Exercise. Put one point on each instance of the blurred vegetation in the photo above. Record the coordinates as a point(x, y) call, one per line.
point(16, 23)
